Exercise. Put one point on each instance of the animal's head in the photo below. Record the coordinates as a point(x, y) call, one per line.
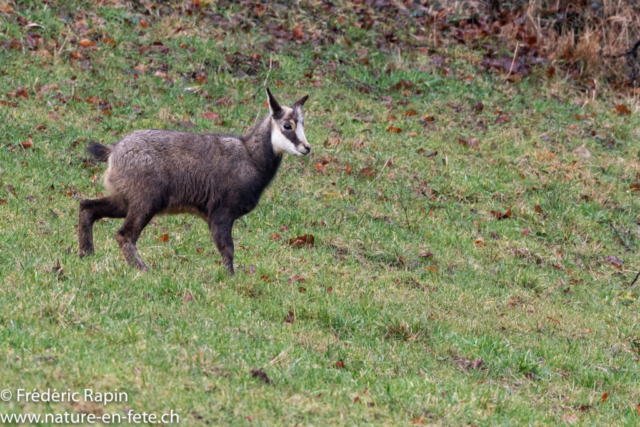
point(287, 127)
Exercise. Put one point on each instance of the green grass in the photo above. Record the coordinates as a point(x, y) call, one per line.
point(533, 296)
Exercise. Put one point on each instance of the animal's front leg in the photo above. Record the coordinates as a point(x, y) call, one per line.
point(221, 232)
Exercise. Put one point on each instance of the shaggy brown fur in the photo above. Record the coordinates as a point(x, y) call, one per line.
point(217, 177)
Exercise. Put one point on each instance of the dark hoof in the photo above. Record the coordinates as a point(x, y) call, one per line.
point(86, 252)
point(139, 264)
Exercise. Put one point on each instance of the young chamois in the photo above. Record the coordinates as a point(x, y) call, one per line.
point(217, 177)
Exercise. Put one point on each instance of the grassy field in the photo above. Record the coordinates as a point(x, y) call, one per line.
point(480, 272)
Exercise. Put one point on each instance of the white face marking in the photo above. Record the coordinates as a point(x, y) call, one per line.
point(281, 144)
point(300, 133)
point(300, 127)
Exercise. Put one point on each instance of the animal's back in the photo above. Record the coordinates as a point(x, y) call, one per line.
point(149, 149)
point(168, 162)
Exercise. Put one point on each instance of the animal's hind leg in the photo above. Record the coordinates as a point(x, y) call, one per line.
point(136, 220)
point(90, 211)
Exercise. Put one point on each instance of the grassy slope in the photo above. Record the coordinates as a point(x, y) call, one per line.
point(406, 327)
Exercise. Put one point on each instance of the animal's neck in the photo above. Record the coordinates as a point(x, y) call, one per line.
point(260, 149)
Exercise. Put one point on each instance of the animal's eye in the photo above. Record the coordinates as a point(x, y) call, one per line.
point(287, 126)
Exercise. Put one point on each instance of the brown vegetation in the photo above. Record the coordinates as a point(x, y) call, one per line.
point(588, 39)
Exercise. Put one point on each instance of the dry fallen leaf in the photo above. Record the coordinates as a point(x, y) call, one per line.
point(22, 92)
point(327, 160)
point(331, 142)
point(290, 317)
point(499, 215)
point(394, 129)
point(616, 262)
point(502, 119)
point(210, 115)
point(306, 239)
point(478, 364)
point(6, 8)
point(551, 319)
point(261, 375)
point(622, 109)
point(471, 143)
point(86, 43)
point(47, 88)
point(295, 278)
point(320, 167)
point(164, 238)
point(140, 68)
point(27, 144)
point(582, 152)
point(367, 173)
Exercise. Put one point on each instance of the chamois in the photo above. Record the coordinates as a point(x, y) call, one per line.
point(217, 177)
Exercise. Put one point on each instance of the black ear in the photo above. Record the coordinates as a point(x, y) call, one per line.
point(300, 102)
point(273, 104)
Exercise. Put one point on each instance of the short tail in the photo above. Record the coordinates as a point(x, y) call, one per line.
point(99, 151)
